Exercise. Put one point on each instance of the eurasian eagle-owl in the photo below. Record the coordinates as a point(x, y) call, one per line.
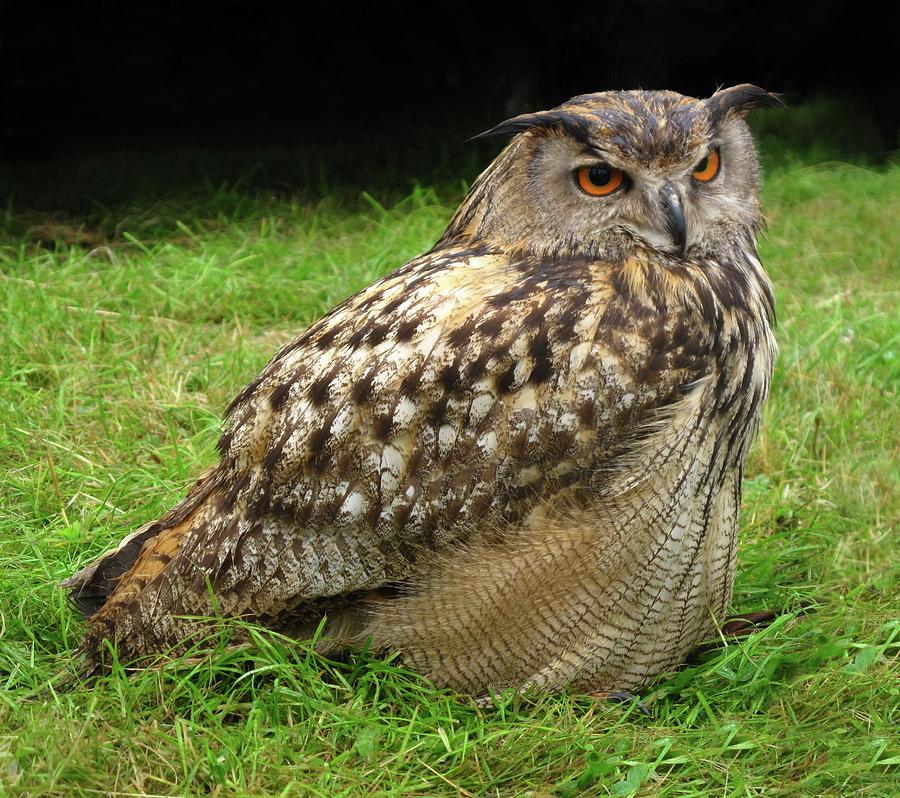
point(516, 460)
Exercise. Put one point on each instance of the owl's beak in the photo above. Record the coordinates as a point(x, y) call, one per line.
point(675, 223)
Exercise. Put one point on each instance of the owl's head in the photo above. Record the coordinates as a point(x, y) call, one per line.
point(606, 171)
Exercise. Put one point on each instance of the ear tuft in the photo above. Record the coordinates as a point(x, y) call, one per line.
point(571, 123)
point(516, 124)
point(740, 100)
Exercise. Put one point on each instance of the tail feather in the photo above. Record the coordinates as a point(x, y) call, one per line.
point(143, 614)
point(90, 588)
point(114, 592)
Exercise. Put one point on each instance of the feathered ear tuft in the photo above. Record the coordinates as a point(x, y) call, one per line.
point(739, 100)
point(571, 123)
point(515, 125)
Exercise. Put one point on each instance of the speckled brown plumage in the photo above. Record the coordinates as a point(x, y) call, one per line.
point(516, 459)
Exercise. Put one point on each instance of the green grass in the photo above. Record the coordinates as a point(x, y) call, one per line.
point(116, 361)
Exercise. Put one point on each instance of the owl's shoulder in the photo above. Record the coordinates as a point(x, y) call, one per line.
point(462, 333)
point(456, 297)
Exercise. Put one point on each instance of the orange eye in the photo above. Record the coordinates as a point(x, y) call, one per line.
point(599, 180)
point(708, 168)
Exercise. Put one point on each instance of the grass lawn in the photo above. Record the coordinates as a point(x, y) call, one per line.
point(117, 357)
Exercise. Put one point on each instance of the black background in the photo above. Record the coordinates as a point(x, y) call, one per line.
point(90, 75)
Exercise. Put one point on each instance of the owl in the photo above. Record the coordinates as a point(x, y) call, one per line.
point(516, 460)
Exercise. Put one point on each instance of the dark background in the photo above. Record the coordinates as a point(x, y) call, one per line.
point(95, 77)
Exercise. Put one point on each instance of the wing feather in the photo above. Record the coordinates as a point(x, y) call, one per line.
point(449, 398)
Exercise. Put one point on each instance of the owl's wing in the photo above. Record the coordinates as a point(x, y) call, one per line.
point(453, 397)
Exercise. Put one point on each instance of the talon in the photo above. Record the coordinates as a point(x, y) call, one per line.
point(749, 622)
point(622, 697)
point(743, 625)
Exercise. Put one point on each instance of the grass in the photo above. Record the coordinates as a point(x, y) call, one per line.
point(117, 356)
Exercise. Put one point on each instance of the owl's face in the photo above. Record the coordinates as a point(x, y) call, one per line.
point(609, 169)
